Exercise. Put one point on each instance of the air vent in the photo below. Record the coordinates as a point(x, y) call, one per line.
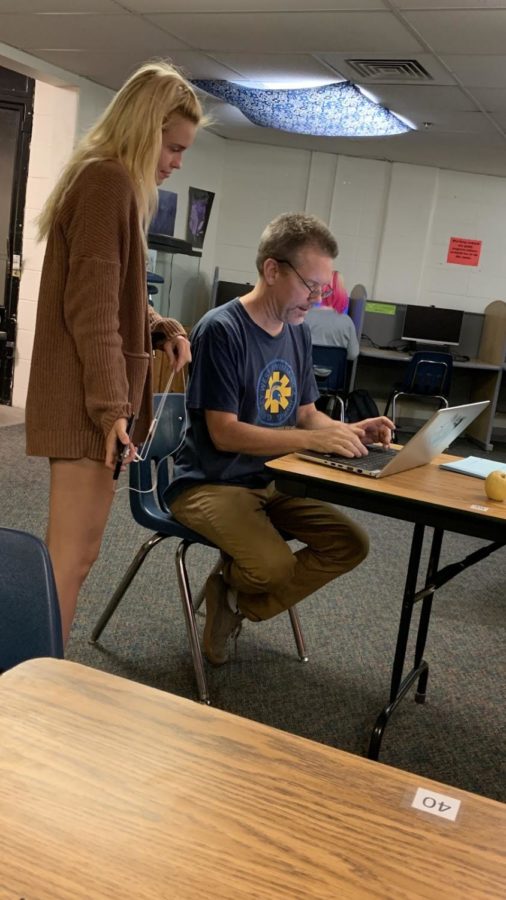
point(389, 69)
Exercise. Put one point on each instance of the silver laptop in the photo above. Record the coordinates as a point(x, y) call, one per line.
point(434, 437)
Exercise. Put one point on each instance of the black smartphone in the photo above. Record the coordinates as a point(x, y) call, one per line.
point(123, 449)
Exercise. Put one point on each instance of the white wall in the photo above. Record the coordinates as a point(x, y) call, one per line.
point(93, 99)
point(393, 222)
point(258, 183)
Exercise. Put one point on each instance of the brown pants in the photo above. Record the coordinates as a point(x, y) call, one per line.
point(245, 523)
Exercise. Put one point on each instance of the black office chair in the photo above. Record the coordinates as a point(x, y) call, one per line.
point(428, 375)
point(149, 509)
point(30, 624)
point(330, 370)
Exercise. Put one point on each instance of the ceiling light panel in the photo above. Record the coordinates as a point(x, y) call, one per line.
point(328, 111)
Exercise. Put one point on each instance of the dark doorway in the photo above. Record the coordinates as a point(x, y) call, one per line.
point(16, 114)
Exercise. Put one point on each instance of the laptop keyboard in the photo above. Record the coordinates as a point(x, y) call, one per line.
point(376, 459)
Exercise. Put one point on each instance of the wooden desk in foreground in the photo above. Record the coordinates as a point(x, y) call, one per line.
point(110, 789)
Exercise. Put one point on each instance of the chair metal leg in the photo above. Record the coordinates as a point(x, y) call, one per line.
point(329, 408)
point(297, 633)
point(388, 404)
point(394, 412)
point(190, 621)
point(124, 585)
point(341, 404)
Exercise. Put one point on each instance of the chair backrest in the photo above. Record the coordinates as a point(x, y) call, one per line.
point(330, 368)
point(146, 506)
point(428, 373)
point(30, 624)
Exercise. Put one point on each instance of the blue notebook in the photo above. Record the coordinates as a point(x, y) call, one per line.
point(473, 465)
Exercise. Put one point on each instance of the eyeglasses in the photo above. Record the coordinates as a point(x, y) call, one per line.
point(315, 290)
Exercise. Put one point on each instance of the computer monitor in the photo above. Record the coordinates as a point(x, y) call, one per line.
point(229, 290)
point(430, 325)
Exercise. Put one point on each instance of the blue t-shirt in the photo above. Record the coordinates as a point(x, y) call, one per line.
point(238, 367)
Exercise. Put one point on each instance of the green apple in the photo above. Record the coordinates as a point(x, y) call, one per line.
point(495, 485)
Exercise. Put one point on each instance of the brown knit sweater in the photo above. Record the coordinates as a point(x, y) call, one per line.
point(91, 361)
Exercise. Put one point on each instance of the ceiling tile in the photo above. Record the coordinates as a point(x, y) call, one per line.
point(463, 123)
point(500, 118)
point(289, 32)
point(419, 102)
point(86, 32)
point(59, 6)
point(478, 71)
point(253, 6)
point(199, 65)
point(108, 69)
point(275, 66)
point(461, 31)
point(112, 69)
point(492, 99)
point(449, 4)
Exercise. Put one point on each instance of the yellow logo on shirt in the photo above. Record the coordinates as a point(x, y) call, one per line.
point(277, 393)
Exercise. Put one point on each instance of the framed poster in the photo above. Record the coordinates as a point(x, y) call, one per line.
point(199, 210)
point(164, 220)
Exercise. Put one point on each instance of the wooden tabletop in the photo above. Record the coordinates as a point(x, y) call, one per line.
point(110, 789)
point(426, 484)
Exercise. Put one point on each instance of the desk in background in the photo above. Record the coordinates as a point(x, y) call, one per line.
point(113, 790)
point(377, 371)
point(428, 497)
point(479, 378)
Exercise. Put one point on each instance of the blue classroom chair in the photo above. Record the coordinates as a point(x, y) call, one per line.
point(150, 511)
point(30, 624)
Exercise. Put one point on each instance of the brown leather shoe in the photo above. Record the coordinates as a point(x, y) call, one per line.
point(221, 622)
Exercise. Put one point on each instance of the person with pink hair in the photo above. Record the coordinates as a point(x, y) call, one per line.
point(328, 322)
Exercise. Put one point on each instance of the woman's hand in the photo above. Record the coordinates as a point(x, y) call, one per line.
point(178, 351)
point(118, 435)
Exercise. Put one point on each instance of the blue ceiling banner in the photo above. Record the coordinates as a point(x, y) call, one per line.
point(331, 110)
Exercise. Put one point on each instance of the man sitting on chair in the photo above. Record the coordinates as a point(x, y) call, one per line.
point(251, 398)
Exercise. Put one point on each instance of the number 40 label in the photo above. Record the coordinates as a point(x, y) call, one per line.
point(436, 804)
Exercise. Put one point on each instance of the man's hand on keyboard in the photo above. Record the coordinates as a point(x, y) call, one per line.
point(339, 438)
point(374, 431)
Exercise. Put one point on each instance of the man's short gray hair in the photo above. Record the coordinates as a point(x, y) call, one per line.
point(289, 233)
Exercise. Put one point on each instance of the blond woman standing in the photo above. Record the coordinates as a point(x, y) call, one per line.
point(91, 363)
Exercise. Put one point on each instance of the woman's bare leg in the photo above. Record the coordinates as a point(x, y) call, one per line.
point(81, 493)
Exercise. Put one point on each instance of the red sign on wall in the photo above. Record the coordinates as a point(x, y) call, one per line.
point(464, 251)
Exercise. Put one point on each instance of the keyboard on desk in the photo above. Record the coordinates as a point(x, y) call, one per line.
point(376, 459)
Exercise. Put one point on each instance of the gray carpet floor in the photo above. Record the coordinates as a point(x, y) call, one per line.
point(350, 628)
